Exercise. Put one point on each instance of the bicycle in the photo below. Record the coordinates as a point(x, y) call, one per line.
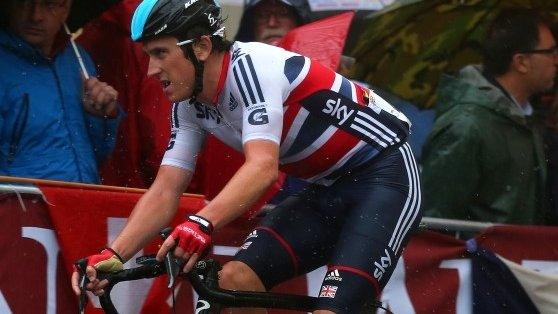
point(204, 279)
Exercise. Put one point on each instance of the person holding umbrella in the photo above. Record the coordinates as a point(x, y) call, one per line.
point(55, 123)
point(484, 159)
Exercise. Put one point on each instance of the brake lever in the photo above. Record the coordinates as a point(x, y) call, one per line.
point(171, 264)
point(81, 265)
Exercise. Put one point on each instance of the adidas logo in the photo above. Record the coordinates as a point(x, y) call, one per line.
point(333, 275)
point(232, 103)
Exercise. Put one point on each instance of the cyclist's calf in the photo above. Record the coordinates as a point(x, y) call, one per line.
point(238, 276)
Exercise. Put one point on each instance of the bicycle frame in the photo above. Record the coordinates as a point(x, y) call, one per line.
point(204, 279)
point(214, 296)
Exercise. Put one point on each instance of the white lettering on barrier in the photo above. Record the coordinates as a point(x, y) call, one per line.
point(47, 239)
point(545, 267)
point(395, 295)
point(128, 296)
point(464, 301)
point(4, 307)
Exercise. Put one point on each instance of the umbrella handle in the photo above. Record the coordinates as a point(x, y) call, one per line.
point(77, 53)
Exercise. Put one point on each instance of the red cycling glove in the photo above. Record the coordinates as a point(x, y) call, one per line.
point(107, 261)
point(194, 235)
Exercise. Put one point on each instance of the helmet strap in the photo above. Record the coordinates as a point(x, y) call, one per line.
point(198, 69)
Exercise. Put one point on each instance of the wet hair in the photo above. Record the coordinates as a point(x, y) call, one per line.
point(513, 31)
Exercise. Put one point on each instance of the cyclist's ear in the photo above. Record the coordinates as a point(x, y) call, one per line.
point(202, 47)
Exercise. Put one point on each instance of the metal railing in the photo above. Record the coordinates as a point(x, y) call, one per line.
point(25, 186)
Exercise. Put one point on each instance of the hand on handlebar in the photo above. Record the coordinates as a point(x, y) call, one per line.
point(107, 261)
point(194, 239)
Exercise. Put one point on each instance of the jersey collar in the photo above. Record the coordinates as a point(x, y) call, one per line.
point(222, 77)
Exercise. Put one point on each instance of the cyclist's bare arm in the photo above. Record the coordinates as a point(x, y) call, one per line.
point(257, 173)
point(153, 212)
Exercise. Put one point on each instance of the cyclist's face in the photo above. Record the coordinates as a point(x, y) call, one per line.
point(168, 64)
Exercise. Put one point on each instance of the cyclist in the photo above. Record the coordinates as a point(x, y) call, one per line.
point(282, 110)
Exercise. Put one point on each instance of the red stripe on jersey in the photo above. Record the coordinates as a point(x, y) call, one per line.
point(318, 78)
point(337, 146)
point(288, 118)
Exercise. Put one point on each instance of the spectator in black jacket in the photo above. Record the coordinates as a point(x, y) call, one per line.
point(268, 21)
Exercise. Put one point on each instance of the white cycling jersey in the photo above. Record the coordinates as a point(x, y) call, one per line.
point(324, 124)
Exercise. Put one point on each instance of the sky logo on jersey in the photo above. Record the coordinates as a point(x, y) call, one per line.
point(380, 269)
point(207, 113)
point(379, 130)
point(328, 291)
point(335, 109)
point(333, 275)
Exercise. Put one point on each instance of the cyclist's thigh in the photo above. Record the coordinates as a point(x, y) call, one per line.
point(384, 209)
point(293, 239)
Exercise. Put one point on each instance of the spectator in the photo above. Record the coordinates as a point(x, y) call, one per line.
point(484, 159)
point(53, 123)
point(268, 21)
point(144, 135)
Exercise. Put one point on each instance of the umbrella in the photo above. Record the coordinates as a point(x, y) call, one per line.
point(407, 46)
point(85, 10)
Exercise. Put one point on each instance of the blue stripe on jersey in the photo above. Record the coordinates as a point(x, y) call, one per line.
point(365, 154)
point(293, 67)
point(346, 89)
point(310, 131)
point(175, 115)
point(240, 65)
point(255, 78)
point(240, 88)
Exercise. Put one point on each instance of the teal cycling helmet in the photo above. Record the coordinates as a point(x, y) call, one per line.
point(155, 18)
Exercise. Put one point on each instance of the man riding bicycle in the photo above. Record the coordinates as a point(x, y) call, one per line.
point(283, 111)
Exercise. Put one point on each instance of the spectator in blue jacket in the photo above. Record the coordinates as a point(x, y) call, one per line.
point(54, 124)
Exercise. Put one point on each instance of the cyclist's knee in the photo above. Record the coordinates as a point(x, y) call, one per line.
point(238, 276)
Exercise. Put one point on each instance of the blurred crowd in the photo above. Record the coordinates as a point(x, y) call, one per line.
point(488, 149)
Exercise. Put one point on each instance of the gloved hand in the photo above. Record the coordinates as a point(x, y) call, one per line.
point(193, 235)
point(107, 261)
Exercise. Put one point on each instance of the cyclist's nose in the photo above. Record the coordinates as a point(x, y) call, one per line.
point(153, 68)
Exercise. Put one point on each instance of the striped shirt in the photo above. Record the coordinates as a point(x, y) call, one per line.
point(324, 124)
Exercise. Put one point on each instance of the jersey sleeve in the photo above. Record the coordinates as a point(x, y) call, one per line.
point(260, 87)
point(186, 139)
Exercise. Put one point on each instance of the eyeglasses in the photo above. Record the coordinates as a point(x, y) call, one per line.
point(280, 12)
point(51, 5)
point(548, 51)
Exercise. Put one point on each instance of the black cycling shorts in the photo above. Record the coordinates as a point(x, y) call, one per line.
point(358, 227)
